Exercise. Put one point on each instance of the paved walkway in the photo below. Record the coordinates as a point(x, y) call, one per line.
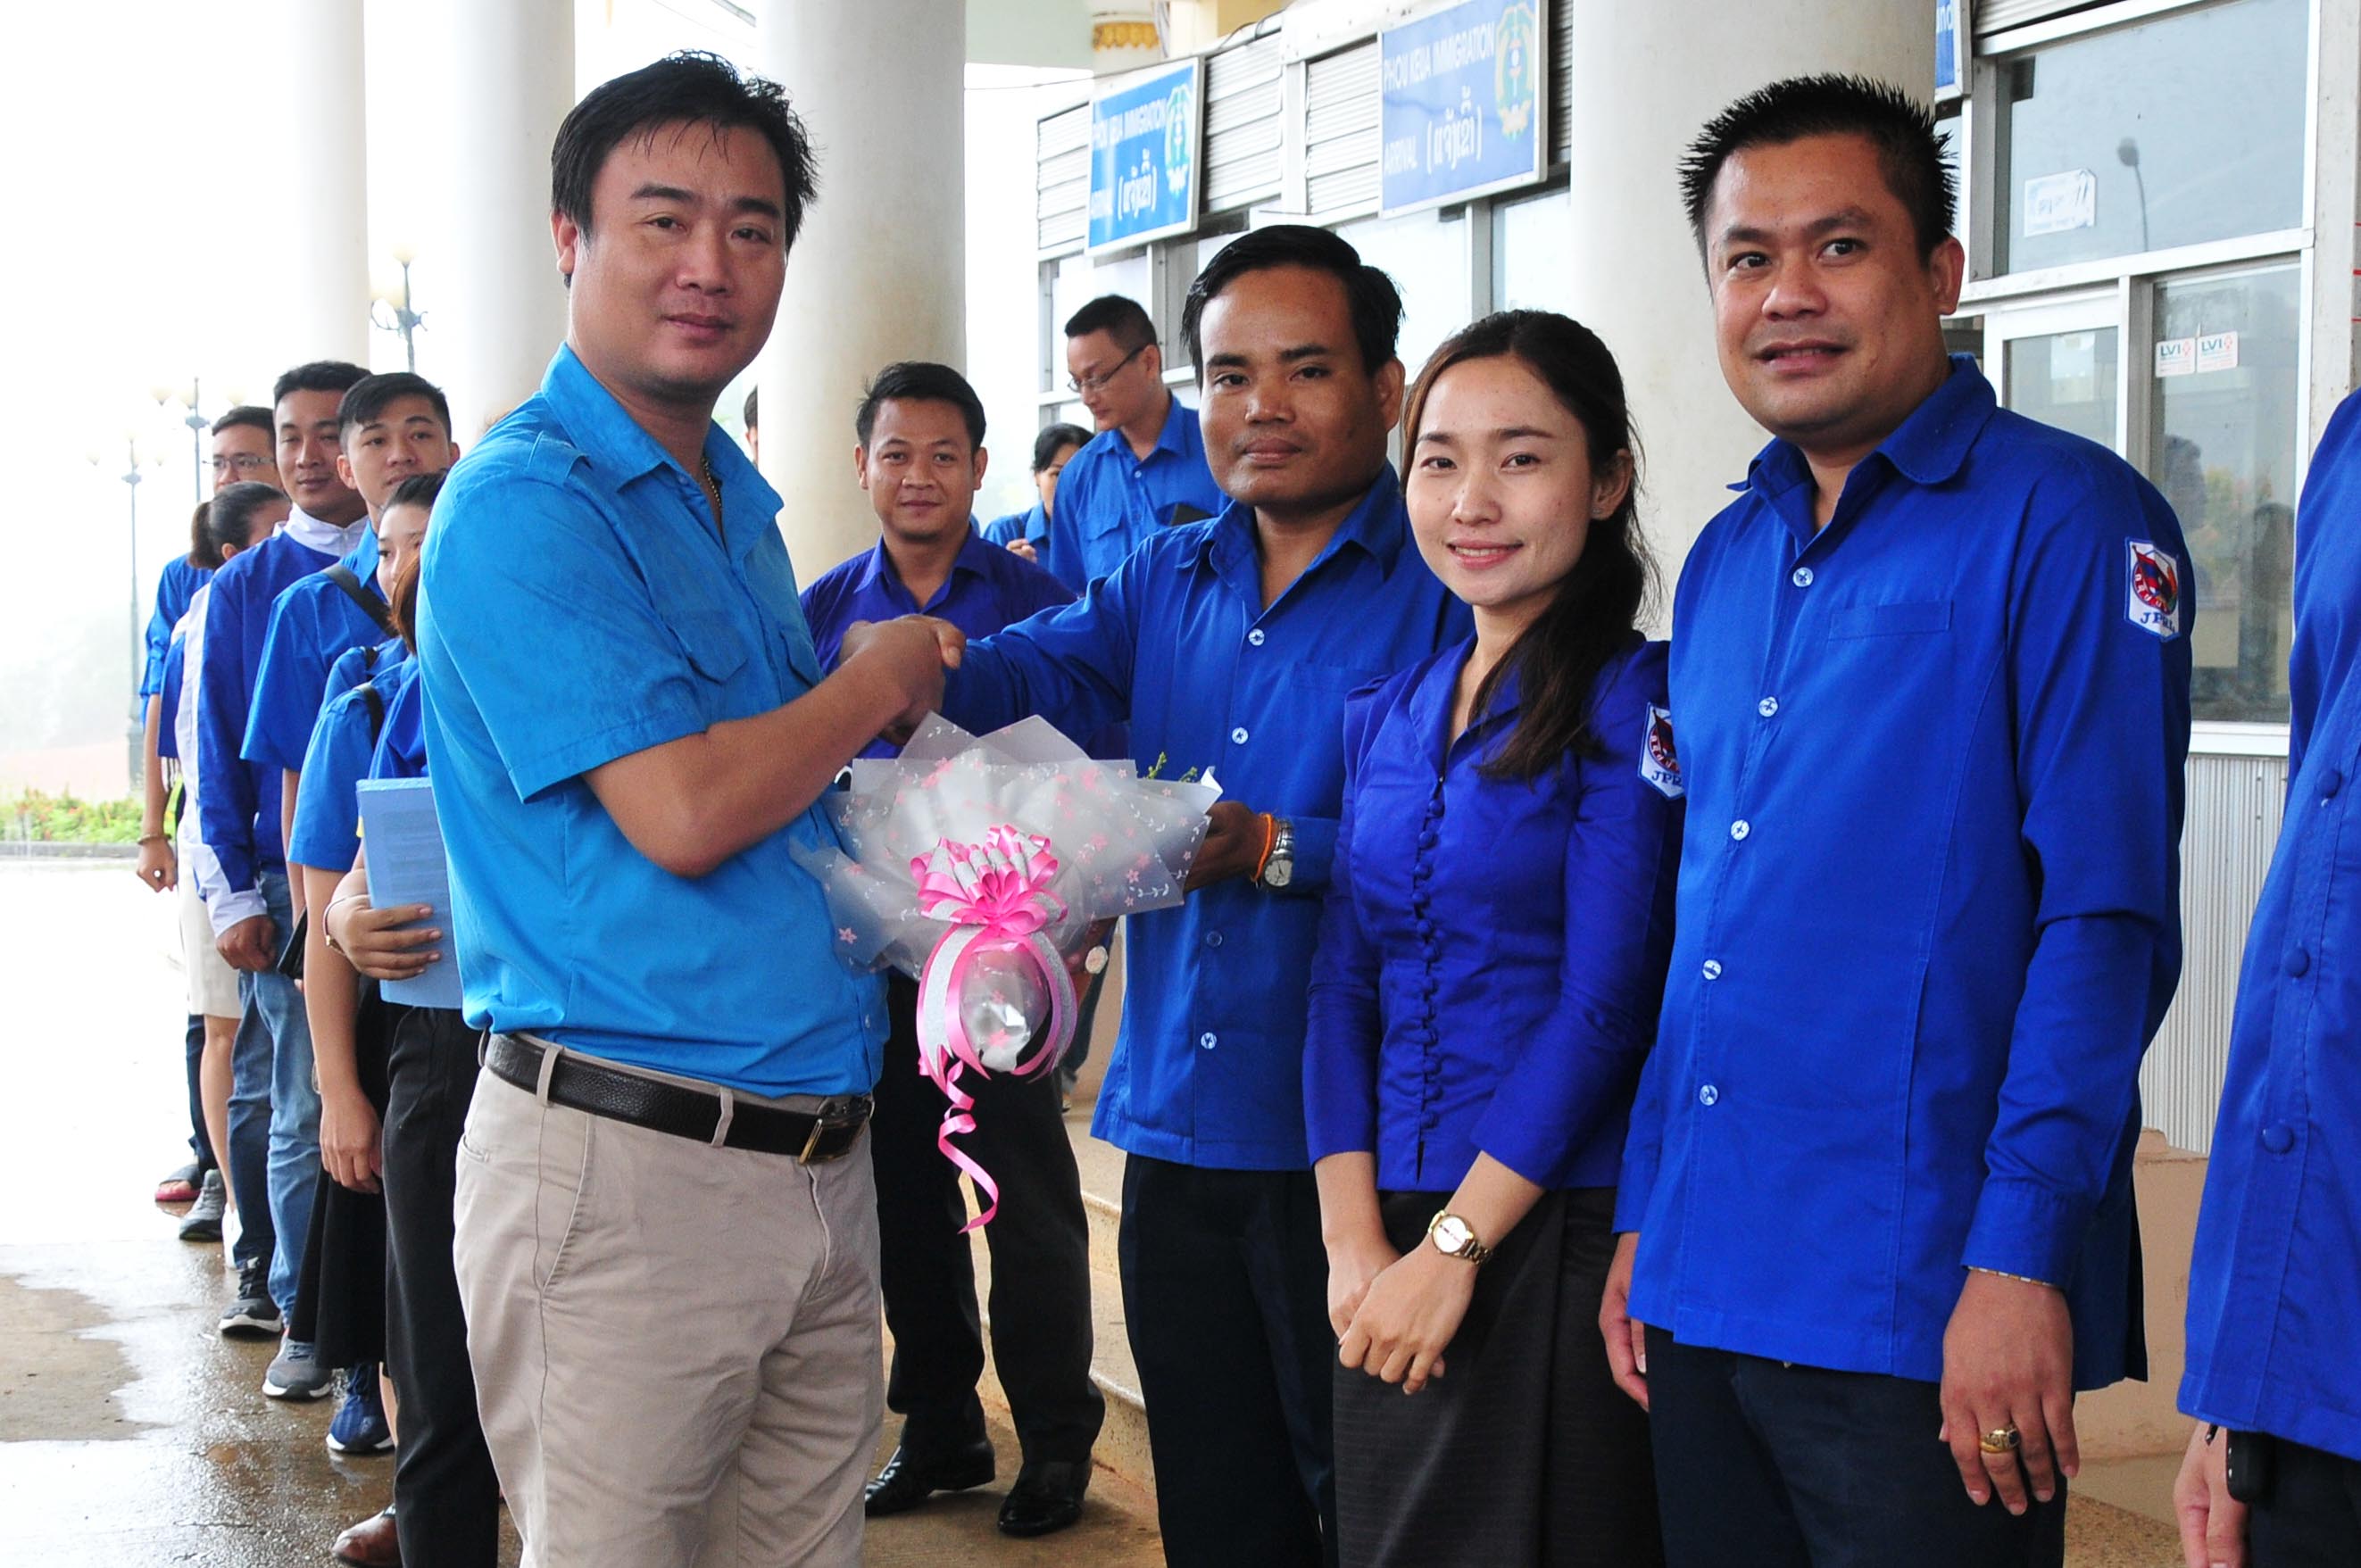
point(130, 1434)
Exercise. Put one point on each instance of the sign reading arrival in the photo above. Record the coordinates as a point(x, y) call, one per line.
point(1144, 160)
point(1463, 95)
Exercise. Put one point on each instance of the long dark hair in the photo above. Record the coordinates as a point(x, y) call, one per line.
point(1558, 659)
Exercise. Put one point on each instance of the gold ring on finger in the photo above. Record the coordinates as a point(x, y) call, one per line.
point(2001, 1440)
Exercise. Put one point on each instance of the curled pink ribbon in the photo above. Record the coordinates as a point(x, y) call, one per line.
point(996, 896)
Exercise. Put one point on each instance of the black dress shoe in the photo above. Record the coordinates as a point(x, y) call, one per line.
point(910, 1479)
point(1045, 1497)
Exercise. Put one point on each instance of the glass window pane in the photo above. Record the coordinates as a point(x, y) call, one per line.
point(2183, 129)
point(2226, 446)
point(2066, 378)
point(1427, 258)
point(1079, 281)
point(1531, 242)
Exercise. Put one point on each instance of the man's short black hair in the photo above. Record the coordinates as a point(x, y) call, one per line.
point(688, 88)
point(1909, 148)
point(368, 400)
point(246, 416)
point(1124, 320)
point(1055, 439)
point(751, 395)
point(1375, 305)
point(417, 490)
point(920, 381)
point(335, 376)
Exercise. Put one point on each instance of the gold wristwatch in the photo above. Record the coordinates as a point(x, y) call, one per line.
point(1453, 1237)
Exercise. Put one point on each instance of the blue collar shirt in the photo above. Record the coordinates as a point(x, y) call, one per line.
point(2275, 1283)
point(238, 807)
point(988, 589)
point(1209, 1068)
point(175, 586)
point(327, 803)
point(1493, 949)
point(1928, 914)
point(1110, 501)
point(1031, 525)
point(312, 622)
point(578, 605)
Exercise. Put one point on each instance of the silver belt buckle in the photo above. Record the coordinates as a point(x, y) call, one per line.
point(825, 1121)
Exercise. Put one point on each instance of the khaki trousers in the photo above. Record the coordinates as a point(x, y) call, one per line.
point(676, 1347)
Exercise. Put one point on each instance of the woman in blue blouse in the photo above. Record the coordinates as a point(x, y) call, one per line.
point(1490, 961)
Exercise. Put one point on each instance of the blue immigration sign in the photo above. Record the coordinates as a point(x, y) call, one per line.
point(1144, 157)
point(1463, 95)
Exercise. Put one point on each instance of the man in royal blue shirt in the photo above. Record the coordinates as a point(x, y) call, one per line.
point(921, 457)
point(390, 427)
point(669, 1268)
point(274, 1111)
point(2274, 1285)
point(1930, 674)
point(1229, 646)
point(1146, 468)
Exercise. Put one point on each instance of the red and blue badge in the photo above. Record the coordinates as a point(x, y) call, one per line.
point(2152, 601)
point(1660, 763)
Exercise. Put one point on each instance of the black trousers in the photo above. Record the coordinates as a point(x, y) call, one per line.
point(1777, 1466)
point(1041, 1258)
point(201, 1143)
point(1225, 1287)
point(447, 1497)
point(2311, 1516)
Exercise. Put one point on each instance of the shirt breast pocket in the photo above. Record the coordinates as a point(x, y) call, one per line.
point(711, 640)
point(1916, 618)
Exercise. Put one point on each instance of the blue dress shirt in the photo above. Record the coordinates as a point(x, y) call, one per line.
point(1928, 912)
point(1208, 1068)
point(238, 807)
point(578, 605)
point(328, 804)
point(2275, 1283)
point(401, 744)
point(1493, 949)
point(988, 589)
point(1110, 501)
point(312, 623)
point(175, 586)
point(1032, 525)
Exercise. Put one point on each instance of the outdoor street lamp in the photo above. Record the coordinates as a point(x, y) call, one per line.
point(387, 316)
point(187, 397)
point(131, 477)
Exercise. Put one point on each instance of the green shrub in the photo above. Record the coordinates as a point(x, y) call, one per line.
point(67, 819)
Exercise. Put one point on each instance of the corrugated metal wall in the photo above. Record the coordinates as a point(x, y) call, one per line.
point(1063, 179)
point(1561, 126)
point(1340, 133)
point(1245, 123)
point(2235, 804)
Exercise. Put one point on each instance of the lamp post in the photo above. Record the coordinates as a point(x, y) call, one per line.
point(402, 319)
point(2127, 154)
point(131, 477)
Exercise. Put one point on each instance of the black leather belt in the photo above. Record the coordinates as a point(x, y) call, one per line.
point(582, 1084)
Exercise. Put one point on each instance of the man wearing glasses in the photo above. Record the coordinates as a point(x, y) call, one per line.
point(1146, 468)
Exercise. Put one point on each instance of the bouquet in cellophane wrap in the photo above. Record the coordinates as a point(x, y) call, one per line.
point(977, 866)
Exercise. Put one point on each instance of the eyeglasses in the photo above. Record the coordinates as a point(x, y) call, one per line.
point(243, 461)
point(1094, 383)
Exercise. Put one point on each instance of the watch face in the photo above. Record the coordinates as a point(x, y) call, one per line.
point(1451, 1234)
point(1278, 873)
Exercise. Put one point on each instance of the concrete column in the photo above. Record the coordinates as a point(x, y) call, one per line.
point(318, 247)
point(500, 309)
point(1647, 77)
point(878, 273)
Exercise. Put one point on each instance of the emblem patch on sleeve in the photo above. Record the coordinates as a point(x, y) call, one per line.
point(2152, 602)
point(1660, 764)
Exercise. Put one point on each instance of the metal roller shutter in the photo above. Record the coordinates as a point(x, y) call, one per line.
point(1063, 179)
point(1244, 124)
point(1561, 126)
point(1340, 133)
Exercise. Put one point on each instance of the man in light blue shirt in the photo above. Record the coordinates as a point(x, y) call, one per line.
point(1146, 468)
point(669, 1268)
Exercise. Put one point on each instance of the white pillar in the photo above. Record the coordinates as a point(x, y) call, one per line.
point(878, 273)
point(318, 179)
point(499, 309)
point(1656, 73)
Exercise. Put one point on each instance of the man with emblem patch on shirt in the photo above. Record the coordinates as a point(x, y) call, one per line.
point(1932, 671)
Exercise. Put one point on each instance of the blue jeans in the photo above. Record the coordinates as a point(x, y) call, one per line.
point(274, 1110)
point(199, 1144)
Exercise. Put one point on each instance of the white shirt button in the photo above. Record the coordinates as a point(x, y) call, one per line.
point(1739, 828)
point(1206, 1041)
point(1801, 577)
point(1238, 737)
point(1707, 1095)
point(1713, 969)
point(1254, 637)
point(1767, 706)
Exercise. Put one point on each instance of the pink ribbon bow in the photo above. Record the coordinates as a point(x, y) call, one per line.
point(996, 896)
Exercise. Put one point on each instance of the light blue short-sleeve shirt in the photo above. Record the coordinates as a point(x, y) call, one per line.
point(579, 605)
